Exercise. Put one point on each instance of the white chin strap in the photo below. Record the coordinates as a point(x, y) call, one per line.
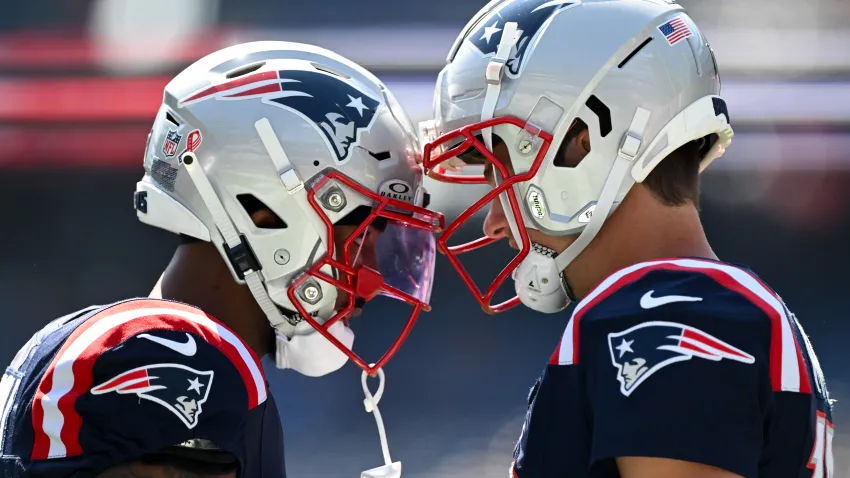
point(539, 279)
point(309, 354)
point(232, 241)
point(493, 75)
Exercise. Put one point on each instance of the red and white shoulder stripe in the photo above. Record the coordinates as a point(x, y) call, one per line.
point(788, 370)
point(56, 423)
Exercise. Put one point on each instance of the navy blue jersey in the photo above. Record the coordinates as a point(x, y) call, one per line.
point(685, 359)
point(109, 384)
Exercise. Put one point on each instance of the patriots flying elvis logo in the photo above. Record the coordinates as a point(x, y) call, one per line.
point(337, 109)
point(642, 350)
point(529, 16)
point(180, 389)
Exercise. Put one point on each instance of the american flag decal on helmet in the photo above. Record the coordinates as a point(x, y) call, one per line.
point(675, 30)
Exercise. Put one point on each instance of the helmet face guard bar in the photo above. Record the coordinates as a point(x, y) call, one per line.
point(359, 281)
point(433, 168)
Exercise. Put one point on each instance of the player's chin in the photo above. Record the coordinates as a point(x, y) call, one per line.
point(355, 312)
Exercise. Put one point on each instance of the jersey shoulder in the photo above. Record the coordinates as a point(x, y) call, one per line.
point(155, 314)
point(90, 335)
point(687, 308)
point(97, 377)
point(661, 289)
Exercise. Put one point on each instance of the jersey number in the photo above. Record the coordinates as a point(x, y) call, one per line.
point(821, 461)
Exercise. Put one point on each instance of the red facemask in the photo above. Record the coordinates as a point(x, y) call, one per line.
point(466, 141)
point(402, 268)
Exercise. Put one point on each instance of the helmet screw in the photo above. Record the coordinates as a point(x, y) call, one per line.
point(281, 256)
point(525, 146)
point(544, 280)
point(335, 199)
point(311, 293)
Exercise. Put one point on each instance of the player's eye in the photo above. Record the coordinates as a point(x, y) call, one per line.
point(488, 173)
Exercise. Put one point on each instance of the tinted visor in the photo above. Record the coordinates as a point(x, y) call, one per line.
point(403, 255)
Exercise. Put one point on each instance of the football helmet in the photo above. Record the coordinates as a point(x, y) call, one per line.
point(320, 142)
point(637, 74)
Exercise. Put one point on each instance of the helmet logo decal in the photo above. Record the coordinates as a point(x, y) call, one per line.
point(336, 108)
point(172, 140)
point(530, 15)
point(675, 30)
point(397, 189)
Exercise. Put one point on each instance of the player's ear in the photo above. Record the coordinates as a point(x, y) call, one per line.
point(266, 219)
point(261, 215)
point(575, 147)
point(583, 141)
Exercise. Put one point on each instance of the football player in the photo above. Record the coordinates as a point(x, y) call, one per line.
point(291, 175)
point(593, 120)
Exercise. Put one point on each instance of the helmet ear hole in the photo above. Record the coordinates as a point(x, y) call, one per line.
point(706, 143)
point(261, 215)
point(575, 146)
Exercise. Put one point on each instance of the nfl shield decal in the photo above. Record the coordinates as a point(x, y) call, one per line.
point(172, 140)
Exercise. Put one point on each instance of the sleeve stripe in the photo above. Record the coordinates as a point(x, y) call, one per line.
point(787, 367)
point(55, 421)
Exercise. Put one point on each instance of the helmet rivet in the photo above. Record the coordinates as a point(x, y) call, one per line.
point(311, 293)
point(334, 199)
point(544, 280)
point(525, 146)
point(281, 256)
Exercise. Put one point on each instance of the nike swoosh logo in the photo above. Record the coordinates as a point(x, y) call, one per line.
point(649, 302)
point(187, 348)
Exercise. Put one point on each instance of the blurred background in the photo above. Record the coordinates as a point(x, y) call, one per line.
point(81, 80)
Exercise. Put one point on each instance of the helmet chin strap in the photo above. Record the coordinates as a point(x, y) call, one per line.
point(494, 73)
point(312, 354)
point(539, 279)
point(241, 258)
point(309, 354)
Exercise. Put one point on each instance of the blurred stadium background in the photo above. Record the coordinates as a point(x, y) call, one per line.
point(80, 81)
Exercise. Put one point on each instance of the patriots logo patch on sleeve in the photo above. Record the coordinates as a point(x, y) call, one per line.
point(180, 389)
point(529, 15)
point(642, 350)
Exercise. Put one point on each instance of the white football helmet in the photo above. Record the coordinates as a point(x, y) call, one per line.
point(319, 141)
point(639, 75)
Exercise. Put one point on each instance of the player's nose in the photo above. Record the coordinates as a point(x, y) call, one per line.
point(496, 223)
